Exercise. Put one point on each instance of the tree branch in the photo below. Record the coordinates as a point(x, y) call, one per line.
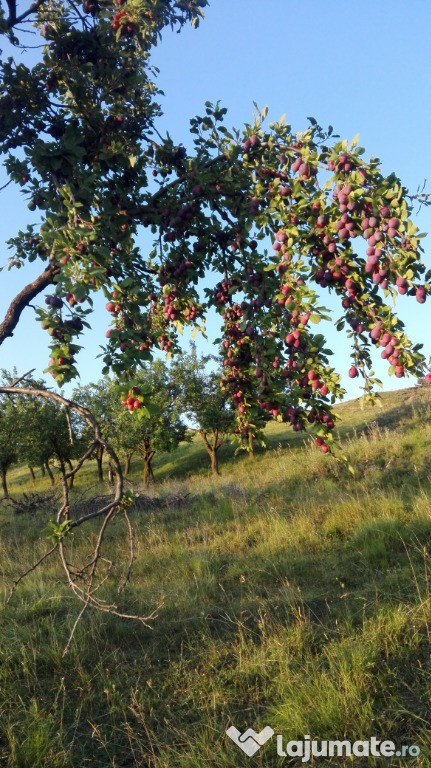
point(21, 378)
point(14, 19)
point(23, 299)
point(30, 570)
point(144, 210)
point(206, 443)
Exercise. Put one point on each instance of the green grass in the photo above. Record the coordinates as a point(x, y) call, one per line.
point(291, 596)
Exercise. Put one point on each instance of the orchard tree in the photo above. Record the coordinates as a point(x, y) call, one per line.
point(102, 400)
point(46, 435)
point(40, 431)
point(8, 446)
point(156, 426)
point(46, 432)
point(123, 433)
point(203, 401)
point(279, 215)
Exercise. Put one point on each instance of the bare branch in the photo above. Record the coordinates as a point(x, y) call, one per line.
point(14, 19)
point(77, 620)
point(21, 378)
point(69, 426)
point(92, 577)
point(30, 570)
point(79, 463)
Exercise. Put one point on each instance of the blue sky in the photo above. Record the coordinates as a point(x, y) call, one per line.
point(363, 68)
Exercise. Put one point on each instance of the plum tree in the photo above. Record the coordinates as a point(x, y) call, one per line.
point(279, 215)
point(35, 432)
point(101, 399)
point(157, 426)
point(45, 432)
point(79, 133)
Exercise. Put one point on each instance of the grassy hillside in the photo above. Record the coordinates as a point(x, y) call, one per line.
point(290, 595)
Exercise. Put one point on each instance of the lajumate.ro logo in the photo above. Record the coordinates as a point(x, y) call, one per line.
point(250, 742)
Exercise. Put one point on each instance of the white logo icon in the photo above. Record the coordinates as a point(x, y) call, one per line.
point(249, 741)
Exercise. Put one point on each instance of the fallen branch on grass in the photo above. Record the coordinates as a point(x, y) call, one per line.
point(85, 580)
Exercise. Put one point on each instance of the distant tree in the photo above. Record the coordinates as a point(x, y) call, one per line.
point(101, 399)
point(46, 435)
point(126, 436)
point(41, 430)
point(8, 447)
point(204, 402)
point(156, 426)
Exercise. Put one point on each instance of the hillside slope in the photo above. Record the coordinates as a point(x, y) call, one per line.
point(289, 595)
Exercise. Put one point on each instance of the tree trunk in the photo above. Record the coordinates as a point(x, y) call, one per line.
point(110, 473)
point(50, 475)
point(33, 476)
point(69, 464)
point(128, 463)
point(148, 470)
point(3, 482)
point(42, 466)
point(99, 459)
point(214, 462)
point(212, 450)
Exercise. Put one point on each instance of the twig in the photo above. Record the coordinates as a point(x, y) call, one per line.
point(30, 570)
point(21, 378)
point(77, 620)
point(80, 462)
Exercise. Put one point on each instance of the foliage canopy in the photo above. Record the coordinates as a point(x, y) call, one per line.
point(278, 215)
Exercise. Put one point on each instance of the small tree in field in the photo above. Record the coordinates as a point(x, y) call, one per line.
point(143, 429)
point(8, 446)
point(102, 400)
point(46, 434)
point(156, 427)
point(204, 403)
point(123, 432)
point(34, 433)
